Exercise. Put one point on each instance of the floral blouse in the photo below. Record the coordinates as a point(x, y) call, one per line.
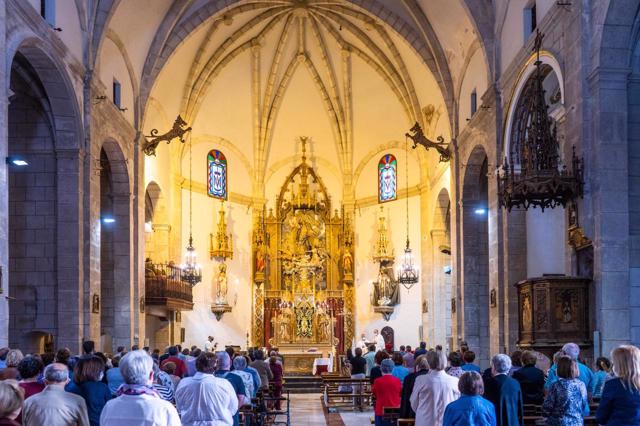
point(566, 404)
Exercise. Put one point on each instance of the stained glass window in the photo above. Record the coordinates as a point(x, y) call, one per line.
point(217, 174)
point(387, 178)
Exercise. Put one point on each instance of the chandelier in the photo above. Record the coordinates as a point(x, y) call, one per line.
point(534, 175)
point(408, 274)
point(191, 271)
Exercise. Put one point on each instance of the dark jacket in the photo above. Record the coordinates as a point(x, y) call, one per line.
point(618, 405)
point(95, 395)
point(506, 396)
point(375, 373)
point(531, 381)
point(407, 388)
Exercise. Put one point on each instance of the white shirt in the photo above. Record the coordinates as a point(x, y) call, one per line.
point(139, 410)
point(362, 344)
point(431, 394)
point(206, 400)
point(379, 341)
point(208, 346)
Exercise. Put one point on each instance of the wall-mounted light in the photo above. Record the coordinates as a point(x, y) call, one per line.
point(480, 211)
point(17, 161)
point(447, 269)
point(148, 227)
point(108, 219)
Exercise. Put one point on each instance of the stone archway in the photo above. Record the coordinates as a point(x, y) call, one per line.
point(116, 298)
point(473, 315)
point(44, 215)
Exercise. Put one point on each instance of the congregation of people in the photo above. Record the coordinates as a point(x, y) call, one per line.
point(436, 388)
point(138, 387)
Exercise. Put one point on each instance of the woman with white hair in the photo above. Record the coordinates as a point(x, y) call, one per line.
point(239, 367)
point(504, 392)
point(138, 402)
point(433, 391)
point(386, 389)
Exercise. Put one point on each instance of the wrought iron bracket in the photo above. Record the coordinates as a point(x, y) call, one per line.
point(177, 131)
point(419, 138)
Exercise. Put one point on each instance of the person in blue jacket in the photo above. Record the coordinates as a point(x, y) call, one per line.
point(586, 375)
point(471, 409)
point(620, 401)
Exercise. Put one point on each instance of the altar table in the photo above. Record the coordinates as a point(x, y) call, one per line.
point(322, 365)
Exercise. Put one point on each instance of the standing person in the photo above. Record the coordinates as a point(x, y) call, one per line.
point(586, 375)
point(387, 391)
point(3, 357)
point(620, 401)
point(114, 376)
point(53, 406)
point(422, 367)
point(504, 392)
point(210, 345)
point(138, 403)
point(358, 364)
point(531, 379)
point(276, 381)
point(239, 367)
point(11, 398)
point(376, 372)
point(257, 383)
point(204, 398)
point(602, 374)
point(409, 360)
point(362, 343)
point(422, 350)
point(181, 367)
point(469, 357)
point(13, 360)
point(471, 408)
point(223, 369)
point(399, 371)
point(370, 358)
point(433, 391)
point(378, 340)
point(262, 367)
point(566, 404)
point(455, 365)
point(170, 368)
point(30, 369)
point(87, 383)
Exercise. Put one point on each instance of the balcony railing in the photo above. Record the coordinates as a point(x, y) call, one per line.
point(163, 287)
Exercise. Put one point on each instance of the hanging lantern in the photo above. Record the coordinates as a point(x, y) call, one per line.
point(533, 175)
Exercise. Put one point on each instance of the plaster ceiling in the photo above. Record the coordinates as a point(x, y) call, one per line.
point(350, 74)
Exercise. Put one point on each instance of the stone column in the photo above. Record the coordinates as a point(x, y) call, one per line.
point(4, 185)
point(608, 185)
point(123, 292)
point(439, 296)
point(71, 296)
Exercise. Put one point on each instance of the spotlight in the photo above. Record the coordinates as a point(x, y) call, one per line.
point(108, 219)
point(17, 161)
point(480, 211)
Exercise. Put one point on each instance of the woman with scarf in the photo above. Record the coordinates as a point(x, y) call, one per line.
point(138, 402)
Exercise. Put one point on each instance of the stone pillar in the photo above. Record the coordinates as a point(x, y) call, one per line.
point(123, 291)
point(4, 185)
point(496, 276)
point(608, 185)
point(138, 238)
point(71, 296)
point(440, 293)
point(514, 264)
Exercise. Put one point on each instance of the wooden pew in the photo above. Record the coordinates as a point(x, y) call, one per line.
point(345, 392)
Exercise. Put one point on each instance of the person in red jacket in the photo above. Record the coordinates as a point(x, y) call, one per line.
point(387, 390)
point(181, 367)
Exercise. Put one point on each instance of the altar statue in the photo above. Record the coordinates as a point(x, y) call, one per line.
point(323, 325)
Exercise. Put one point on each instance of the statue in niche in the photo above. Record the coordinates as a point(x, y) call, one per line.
point(221, 285)
point(526, 313)
point(323, 325)
point(260, 261)
point(347, 262)
point(567, 314)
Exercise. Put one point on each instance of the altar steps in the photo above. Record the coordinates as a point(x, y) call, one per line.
point(303, 384)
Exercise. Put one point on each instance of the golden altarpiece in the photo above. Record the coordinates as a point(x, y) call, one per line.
point(303, 272)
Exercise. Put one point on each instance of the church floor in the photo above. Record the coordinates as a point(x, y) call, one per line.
point(307, 410)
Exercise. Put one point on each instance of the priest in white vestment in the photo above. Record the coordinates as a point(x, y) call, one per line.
point(378, 340)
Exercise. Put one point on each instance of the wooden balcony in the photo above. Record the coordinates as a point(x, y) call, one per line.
point(163, 287)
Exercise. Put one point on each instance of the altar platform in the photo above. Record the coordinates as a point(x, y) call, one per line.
point(298, 360)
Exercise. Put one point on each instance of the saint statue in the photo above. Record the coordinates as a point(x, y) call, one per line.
point(221, 285)
point(347, 262)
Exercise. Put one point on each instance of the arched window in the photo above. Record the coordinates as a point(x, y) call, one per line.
point(217, 174)
point(387, 178)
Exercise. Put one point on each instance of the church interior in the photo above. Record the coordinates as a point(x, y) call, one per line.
point(297, 174)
